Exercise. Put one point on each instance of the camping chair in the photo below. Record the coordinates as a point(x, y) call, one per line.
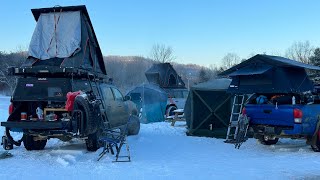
point(115, 138)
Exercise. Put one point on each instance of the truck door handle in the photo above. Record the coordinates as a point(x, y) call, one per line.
point(267, 111)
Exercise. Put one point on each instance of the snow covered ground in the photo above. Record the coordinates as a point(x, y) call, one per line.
point(163, 152)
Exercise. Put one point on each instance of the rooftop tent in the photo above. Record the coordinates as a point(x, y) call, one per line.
point(151, 100)
point(208, 108)
point(164, 75)
point(64, 37)
point(269, 74)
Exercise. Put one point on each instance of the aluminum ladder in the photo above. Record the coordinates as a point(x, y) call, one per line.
point(233, 128)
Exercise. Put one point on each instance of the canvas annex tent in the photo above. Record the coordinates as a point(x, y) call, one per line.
point(64, 37)
point(208, 108)
point(151, 101)
point(269, 74)
point(165, 76)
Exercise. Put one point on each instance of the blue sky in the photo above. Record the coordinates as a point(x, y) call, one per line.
point(200, 32)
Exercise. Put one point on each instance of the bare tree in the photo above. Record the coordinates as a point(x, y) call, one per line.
point(162, 54)
point(9, 81)
point(300, 51)
point(8, 60)
point(230, 60)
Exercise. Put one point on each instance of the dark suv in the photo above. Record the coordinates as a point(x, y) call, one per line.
point(63, 90)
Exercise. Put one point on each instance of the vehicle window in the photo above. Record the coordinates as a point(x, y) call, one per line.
point(108, 94)
point(117, 95)
point(185, 94)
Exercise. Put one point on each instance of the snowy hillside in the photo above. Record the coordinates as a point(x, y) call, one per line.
point(163, 152)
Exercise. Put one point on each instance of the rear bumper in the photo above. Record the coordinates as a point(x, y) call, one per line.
point(295, 130)
point(36, 125)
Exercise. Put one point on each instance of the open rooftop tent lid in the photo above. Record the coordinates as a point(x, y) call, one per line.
point(262, 59)
point(164, 75)
point(251, 70)
point(88, 54)
point(269, 74)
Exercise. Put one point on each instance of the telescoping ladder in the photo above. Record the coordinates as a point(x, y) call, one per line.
point(235, 117)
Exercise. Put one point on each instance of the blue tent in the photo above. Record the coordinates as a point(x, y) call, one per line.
point(151, 100)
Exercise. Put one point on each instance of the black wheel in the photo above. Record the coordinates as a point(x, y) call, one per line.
point(30, 144)
point(265, 141)
point(316, 147)
point(90, 116)
point(170, 110)
point(133, 125)
point(92, 142)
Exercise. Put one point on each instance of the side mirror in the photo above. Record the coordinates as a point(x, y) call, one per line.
point(127, 98)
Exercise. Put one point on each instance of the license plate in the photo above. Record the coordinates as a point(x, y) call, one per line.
point(269, 130)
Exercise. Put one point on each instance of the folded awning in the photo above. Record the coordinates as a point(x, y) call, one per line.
point(251, 70)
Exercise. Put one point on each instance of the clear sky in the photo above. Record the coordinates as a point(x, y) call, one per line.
point(199, 31)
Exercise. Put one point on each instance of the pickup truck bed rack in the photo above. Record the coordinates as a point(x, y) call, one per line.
point(47, 71)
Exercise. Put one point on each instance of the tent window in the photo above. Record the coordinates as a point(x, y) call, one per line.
point(172, 80)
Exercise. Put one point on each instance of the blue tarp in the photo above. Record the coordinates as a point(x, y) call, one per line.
point(151, 100)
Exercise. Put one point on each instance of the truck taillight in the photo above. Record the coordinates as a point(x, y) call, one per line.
point(244, 111)
point(297, 115)
point(10, 108)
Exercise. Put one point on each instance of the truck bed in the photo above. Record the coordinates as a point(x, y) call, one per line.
point(281, 116)
point(269, 114)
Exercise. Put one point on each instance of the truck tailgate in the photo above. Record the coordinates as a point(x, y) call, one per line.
point(268, 114)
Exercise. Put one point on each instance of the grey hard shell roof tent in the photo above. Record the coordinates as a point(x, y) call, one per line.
point(208, 108)
point(269, 74)
point(64, 37)
point(165, 76)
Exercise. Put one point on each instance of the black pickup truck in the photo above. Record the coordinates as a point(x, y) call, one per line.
point(41, 110)
point(63, 90)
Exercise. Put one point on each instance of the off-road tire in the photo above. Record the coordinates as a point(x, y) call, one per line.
point(267, 142)
point(92, 142)
point(31, 144)
point(89, 115)
point(170, 109)
point(316, 147)
point(133, 125)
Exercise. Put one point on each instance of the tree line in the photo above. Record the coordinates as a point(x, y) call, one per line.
point(128, 71)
